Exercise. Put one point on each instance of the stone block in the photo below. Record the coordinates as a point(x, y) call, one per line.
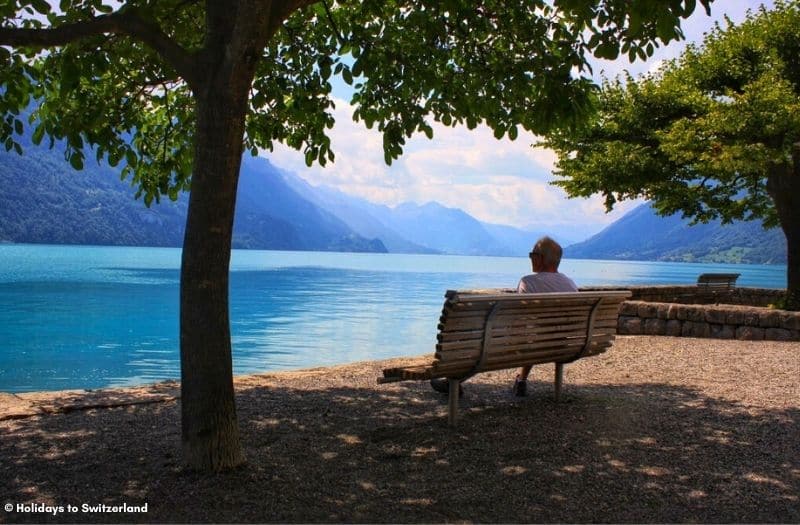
point(629, 325)
point(695, 329)
point(734, 316)
point(663, 311)
point(777, 334)
point(648, 310)
point(790, 320)
point(750, 333)
point(716, 315)
point(672, 311)
point(654, 326)
point(696, 314)
point(673, 328)
point(751, 318)
point(722, 331)
point(769, 319)
point(681, 312)
point(629, 308)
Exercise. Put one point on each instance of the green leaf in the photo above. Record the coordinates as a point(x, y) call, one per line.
point(665, 27)
point(347, 76)
point(131, 158)
point(38, 134)
point(41, 6)
point(76, 160)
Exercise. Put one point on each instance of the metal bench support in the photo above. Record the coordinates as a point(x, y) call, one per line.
point(559, 380)
point(452, 405)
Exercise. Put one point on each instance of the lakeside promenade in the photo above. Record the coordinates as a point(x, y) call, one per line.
point(658, 429)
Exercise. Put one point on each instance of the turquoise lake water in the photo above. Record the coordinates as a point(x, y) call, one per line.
point(89, 317)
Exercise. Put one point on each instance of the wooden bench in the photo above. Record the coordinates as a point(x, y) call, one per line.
point(713, 282)
point(482, 330)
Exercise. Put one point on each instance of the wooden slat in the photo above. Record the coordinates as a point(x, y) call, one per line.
point(497, 341)
point(514, 300)
point(476, 323)
point(522, 329)
point(538, 311)
point(470, 352)
point(529, 310)
point(552, 298)
point(607, 312)
point(453, 369)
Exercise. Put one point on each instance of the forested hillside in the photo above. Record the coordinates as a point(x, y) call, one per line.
point(644, 235)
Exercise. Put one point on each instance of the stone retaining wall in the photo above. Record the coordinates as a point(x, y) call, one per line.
point(689, 311)
point(692, 294)
point(717, 321)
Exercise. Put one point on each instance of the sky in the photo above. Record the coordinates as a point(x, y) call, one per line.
point(496, 181)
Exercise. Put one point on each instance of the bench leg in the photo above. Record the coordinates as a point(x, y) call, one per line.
point(559, 379)
point(452, 405)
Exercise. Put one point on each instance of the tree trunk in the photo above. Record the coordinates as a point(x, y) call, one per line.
point(783, 186)
point(210, 431)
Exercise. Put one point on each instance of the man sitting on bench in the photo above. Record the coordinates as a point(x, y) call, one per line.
point(545, 259)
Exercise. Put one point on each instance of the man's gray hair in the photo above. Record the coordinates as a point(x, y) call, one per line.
point(551, 251)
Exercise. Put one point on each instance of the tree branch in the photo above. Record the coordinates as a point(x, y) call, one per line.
point(125, 22)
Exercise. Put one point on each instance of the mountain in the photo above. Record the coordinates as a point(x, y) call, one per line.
point(642, 234)
point(272, 215)
point(414, 228)
point(43, 200)
point(359, 214)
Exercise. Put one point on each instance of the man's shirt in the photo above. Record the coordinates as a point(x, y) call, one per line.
point(544, 282)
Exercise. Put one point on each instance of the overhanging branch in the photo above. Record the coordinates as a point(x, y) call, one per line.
point(125, 22)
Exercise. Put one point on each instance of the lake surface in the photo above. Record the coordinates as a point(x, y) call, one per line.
point(89, 317)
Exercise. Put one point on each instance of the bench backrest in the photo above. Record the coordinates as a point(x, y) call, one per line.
point(717, 281)
point(493, 330)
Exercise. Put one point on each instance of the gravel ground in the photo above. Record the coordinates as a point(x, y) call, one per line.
point(656, 430)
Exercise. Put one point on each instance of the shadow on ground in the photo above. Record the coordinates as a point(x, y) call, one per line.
point(632, 453)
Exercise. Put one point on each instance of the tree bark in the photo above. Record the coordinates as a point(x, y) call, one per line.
point(210, 432)
point(783, 185)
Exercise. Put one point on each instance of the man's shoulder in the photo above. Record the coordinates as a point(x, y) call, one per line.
point(548, 282)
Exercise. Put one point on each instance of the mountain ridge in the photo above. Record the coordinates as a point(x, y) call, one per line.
point(42, 200)
point(642, 234)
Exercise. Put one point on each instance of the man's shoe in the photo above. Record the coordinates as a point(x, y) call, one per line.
point(520, 387)
point(442, 384)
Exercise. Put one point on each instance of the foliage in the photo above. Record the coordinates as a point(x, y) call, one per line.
point(701, 135)
point(117, 88)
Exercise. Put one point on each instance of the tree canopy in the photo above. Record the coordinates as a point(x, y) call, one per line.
point(122, 80)
point(713, 134)
point(175, 90)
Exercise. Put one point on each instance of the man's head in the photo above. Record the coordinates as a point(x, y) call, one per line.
point(546, 255)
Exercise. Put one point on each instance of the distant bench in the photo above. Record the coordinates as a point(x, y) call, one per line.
point(717, 282)
point(482, 330)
